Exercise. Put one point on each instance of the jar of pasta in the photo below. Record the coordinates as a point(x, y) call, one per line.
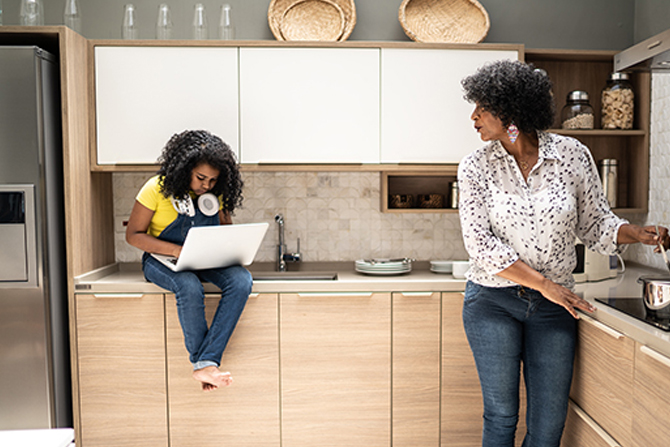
point(617, 103)
point(577, 112)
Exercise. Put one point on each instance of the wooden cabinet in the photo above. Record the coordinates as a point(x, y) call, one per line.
point(603, 378)
point(416, 369)
point(144, 95)
point(424, 116)
point(335, 369)
point(309, 105)
point(120, 350)
point(582, 431)
point(588, 71)
point(245, 413)
point(462, 408)
point(651, 405)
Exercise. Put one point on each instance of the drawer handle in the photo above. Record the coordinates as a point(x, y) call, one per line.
point(594, 426)
point(118, 295)
point(412, 294)
point(603, 327)
point(334, 294)
point(655, 355)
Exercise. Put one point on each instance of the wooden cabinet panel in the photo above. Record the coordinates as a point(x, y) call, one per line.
point(424, 116)
point(651, 407)
point(582, 431)
point(603, 378)
point(309, 105)
point(416, 369)
point(336, 369)
point(144, 95)
point(243, 414)
point(462, 407)
point(122, 385)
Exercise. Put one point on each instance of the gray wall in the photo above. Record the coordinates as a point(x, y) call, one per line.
point(573, 24)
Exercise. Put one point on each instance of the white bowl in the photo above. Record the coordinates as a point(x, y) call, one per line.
point(459, 268)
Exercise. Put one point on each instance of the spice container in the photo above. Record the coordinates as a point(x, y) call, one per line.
point(577, 112)
point(617, 103)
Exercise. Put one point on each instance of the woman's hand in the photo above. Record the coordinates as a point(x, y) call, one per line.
point(137, 236)
point(521, 273)
point(566, 298)
point(630, 234)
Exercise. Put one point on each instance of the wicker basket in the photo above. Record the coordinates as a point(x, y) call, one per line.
point(311, 19)
point(445, 21)
point(431, 201)
point(401, 201)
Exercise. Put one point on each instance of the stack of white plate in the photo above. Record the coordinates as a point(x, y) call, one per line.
point(384, 266)
point(441, 266)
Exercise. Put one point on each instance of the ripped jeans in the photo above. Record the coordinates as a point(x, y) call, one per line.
point(513, 326)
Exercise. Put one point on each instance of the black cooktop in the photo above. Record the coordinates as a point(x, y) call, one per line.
point(635, 308)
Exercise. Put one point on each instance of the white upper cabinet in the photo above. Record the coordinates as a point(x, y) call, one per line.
point(424, 118)
point(144, 95)
point(309, 105)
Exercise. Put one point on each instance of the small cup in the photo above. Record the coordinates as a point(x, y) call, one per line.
point(459, 268)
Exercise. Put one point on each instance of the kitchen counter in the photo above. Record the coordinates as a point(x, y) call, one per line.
point(127, 278)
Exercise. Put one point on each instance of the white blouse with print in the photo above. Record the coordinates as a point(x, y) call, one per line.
point(505, 218)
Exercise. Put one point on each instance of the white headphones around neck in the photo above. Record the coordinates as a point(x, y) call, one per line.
point(207, 203)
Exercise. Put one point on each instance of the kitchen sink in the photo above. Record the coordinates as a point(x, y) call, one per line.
point(293, 276)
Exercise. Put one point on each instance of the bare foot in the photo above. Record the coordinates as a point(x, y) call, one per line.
point(212, 378)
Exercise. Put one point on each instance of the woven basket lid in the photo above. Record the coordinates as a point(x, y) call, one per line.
point(288, 16)
point(445, 21)
point(312, 20)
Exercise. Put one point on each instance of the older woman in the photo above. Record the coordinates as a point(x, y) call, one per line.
point(524, 197)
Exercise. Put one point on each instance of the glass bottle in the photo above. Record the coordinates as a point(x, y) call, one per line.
point(226, 28)
point(32, 13)
point(129, 29)
point(577, 112)
point(617, 103)
point(72, 15)
point(164, 23)
point(200, 31)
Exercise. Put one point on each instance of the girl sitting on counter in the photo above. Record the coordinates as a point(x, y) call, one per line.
point(193, 163)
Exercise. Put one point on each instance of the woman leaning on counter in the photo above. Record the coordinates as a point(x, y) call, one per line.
point(524, 197)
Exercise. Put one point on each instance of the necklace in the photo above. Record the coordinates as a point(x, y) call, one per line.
point(524, 165)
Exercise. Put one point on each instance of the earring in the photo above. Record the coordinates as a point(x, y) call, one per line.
point(512, 132)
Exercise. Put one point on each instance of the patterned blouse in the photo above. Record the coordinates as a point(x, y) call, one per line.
point(505, 218)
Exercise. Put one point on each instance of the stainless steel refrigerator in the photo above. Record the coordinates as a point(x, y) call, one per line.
point(34, 354)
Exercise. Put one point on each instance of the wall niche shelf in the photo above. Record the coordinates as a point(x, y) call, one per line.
point(416, 184)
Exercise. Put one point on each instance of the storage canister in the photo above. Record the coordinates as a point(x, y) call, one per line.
point(617, 103)
point(608, 175)
point(577, 112)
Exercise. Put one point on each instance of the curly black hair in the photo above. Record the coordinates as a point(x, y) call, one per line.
point(514, 92)
point(186, 150)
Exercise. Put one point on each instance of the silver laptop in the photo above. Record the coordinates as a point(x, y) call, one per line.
point(216, 246)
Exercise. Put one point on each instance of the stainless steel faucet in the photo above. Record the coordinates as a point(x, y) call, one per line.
point(282, 256)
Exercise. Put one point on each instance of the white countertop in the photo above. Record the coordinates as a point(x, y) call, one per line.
point(57, 437)
point(128, 278)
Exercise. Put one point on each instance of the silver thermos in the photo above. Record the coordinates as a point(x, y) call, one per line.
point(453, 199)
point(608, 175)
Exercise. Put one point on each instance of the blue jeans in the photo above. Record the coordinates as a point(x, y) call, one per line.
point(510, 326)
point(204, 345)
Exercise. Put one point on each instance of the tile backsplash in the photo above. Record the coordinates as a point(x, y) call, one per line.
point(336, 215)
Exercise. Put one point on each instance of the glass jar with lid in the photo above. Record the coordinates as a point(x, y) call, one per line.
point(577, 112)
point(617, 103)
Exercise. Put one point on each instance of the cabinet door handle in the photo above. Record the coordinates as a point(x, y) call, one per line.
point(655, 355)
point(414, 294)
point(603, 327)
point(118, 295)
